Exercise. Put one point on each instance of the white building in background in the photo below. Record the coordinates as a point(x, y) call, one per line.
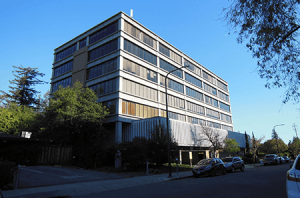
point(125, 64)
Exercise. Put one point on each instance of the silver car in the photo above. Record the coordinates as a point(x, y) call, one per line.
point(271, 159)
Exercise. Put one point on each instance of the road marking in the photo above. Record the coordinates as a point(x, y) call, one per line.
point(71, 177)
point(31, 170)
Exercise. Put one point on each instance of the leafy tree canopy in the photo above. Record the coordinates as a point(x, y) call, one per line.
point(15, 119)
point(294, 146)
point(270, 30)
point(231, 145)
point(23, 93)
point(270, 146)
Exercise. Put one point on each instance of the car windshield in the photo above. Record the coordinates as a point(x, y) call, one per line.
point(270, 156)
point(204, 162)
point(227, 159)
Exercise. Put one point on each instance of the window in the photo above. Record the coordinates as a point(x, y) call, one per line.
point(224, 106)
point(102, 69)
point(228, 128)
point(194, 107)
point(105, 87)
point(195, 94)
point(139, 70)
point(63, 68)
point(209, 77)
point(168, 67)
point(103, 50)
point(172, 100)
point(135, 89)
point(212, 113)
point(225, 117)
point(104, 32)
point(196, 121)
point(193, 80)
point(166, 51)
point(171, 84)
point(213, 124)
point(172, 115)
point(222, 85)
point(138, 51)
point(64, 83)
point(66, 52)
point(223, 96)
point(111, 106)
point(211, 101)
point(192, 67)
point(139, 34)
point(210, 89)
point(135, 109)
point(82, 43)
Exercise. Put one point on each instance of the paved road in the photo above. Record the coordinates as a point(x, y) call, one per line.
point(35, 176)
point(261, 182)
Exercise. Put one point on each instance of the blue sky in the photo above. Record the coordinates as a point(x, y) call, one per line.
point(32, 29)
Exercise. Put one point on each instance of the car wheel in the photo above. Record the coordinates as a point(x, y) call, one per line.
point(232, 169)
point(242, 168)
point(224, 171)
point(213, 173)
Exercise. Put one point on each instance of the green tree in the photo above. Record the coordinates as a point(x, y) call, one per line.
point(275, 137)
point(270, 31)
point(270, 146)
point(247, 143)
point(294, 147)
point(14, 119)
point(231, 146)
point(75, 117)
point(255, 143)
point(23, 92)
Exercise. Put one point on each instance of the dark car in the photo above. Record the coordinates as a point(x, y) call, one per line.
point(287, 159)
point(210, 166)
point(234, 163)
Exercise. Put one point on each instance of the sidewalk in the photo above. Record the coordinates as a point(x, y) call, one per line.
point(85, 188)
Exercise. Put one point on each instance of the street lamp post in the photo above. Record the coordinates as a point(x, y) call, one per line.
point(276, 135)
point(167, 118)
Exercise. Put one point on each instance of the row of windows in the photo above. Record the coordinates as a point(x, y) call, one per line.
point(228, 128)
point(63, 68)
point(223, 96)
point(195, 108)
point(212, 113)
point(166, 51)
point(214, 125)
point(139, 35)
point(209, 77)
point(193, 80)
point(225, 117)
point(139, 70)
point(103, 50)
point(172, 115)
point(82, 43)
point(195, 120)
point(105, 87)
point(66, 52)
point(168, 67)
point(192, 67)
point(111, 106)
point(139, 110)
point(172, 100)
point(225, 107)
point(64, 83)
point(104, 32)
point(102, 69)
point(171, 84)
point(140, 52)
point(139, 90)
point(209, 89)
point(211, 101)
point(193, 93)
point(222, 85)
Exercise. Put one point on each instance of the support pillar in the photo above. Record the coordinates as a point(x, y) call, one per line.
point(118, 139)
point(180, 157)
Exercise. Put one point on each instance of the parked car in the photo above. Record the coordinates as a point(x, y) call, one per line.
point(281, 160)
point(293, 180)
point(271, 159)
point(210, 166)
point(234, 163)
point(287, 159)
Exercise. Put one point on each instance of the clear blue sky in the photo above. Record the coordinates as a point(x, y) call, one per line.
point(32, 29)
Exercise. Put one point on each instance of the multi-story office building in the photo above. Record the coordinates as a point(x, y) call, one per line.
point(125, 64)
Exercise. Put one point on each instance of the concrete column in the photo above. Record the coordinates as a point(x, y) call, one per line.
point(77, 46)
point(87, 40)
point(180, 157)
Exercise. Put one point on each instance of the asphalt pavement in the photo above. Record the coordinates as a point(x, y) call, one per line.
point(85, 188)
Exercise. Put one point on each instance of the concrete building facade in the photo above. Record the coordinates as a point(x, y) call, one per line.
point(125, 64)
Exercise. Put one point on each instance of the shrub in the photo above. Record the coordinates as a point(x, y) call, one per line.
point(7, 170)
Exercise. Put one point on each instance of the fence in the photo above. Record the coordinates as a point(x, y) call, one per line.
point(56, 155)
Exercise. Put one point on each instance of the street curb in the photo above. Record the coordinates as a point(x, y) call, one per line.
point(179, 178)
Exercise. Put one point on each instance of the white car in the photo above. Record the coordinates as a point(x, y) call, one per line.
point(293, 180)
